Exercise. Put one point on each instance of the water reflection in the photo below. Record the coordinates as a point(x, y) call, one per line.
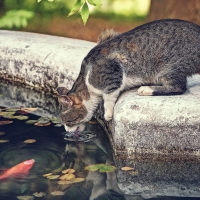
point(53, 154)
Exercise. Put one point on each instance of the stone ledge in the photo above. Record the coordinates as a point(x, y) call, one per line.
point(158, 124)
point(41, 61)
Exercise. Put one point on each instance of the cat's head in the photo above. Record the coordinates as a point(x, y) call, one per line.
point(72, 112)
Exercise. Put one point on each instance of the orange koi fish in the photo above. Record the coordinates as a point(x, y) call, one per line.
point(19, 170)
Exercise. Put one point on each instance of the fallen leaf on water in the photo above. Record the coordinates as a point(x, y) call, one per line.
point(21, 117)
point(74, 180)
point(29, 141)
point(57, 193)
point(77, 180)
point(100, 167)
point(12, 109)
point(28, 110)
point(30, 121)
point(2, 133)
point(4, 141)
point(43, 120)
point(39, 194)
point(53, 176)
point(45, 175)
point(69, 171)
point(5, 122)
point(25, 197)
point(64, 182)
point(44, 124)
point(67, 177)
point(127, 168)
point(5, 113)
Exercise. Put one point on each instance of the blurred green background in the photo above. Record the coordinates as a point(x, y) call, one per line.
point(50, 17)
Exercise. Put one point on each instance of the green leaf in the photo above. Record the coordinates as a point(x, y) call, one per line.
point(21, 117)
point(92, 168)
point(91, 2)
point(100, 167)
point(31, 121)
point(43, 120)
point(85, 13)
point(95, 2)
point(39, 1)
point(76, 7)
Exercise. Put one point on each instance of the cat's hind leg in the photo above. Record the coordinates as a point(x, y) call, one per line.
point(168, 85)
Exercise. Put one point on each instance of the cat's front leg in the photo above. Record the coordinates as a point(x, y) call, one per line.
point(109, 103)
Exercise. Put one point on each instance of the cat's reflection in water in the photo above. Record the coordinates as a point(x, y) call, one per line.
point(97, 185)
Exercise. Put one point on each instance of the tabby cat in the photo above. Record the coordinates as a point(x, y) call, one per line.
point(157, 57)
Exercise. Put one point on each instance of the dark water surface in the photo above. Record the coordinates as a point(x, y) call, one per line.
point(53, 153)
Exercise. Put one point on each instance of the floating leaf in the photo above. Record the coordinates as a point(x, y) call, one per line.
point(69, 171)
point(5, 122)
point(55, 120)
point(43, 124)
point(4, 141)
point(74, 180)
point(4, 114)
point(77, 180)
point(92, 168)
point(57, 193)
point(100, 167)
point(45, 175)
point(29, 141)
point(2, 133)
point(31, 121)
point(64, 182)
point(21, 117)
point(67, 177)
point(53, 176)
point(12, 109)
point(28, 110)
point(39, 194)
point(43, 120)
point(25, 197)
point(127, 168)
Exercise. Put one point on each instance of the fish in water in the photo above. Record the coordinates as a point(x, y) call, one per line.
point(19, 170)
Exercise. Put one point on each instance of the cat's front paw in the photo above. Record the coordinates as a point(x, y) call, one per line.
point(108, 116)
point(145, 91)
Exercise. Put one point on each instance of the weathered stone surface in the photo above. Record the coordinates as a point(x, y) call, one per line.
point(158, 124)
point(40, 60)
point(160, 138)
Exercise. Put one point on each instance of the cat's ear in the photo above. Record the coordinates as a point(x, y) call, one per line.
point(64, 100)
point(106, 35)
point(62, 90)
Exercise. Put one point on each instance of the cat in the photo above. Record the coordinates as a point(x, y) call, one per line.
point(157, 57)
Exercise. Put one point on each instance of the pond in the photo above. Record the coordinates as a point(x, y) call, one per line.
point(63, 167)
